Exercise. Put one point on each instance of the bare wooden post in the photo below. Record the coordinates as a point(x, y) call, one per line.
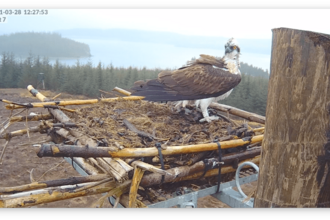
point(294, 167)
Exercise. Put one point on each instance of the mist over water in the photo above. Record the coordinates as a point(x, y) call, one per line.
point(151, 55)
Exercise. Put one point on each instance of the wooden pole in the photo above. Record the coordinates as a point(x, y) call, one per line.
point(238, 112)
point(122, 91)
point(60, 116)
point(65, 103)
point(112, 166)
point(52, 183)
point(30, 118)
point(60, 193)
point(53, 195)
point(294, 167)
point(57, 150)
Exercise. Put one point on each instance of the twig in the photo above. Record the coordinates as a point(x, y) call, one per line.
point(94, 184)
point(12, 116)
point(49, 170)
point(188, 137)
point(26, 124)
point(56, 96)
point(249, 147)
point(4, 128)
point(31, 176)
point(118, 145)
point(227, 119)
point(109, 93)
point(3, 151)
point(250, 195)
point(117, 202)
point(38, 142)
point(131, 127)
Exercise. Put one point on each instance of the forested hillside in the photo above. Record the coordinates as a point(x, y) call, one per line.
point(86, 79)
point(43, 44)
point(251, 93)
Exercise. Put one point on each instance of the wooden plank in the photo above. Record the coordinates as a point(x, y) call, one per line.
point(137, 176)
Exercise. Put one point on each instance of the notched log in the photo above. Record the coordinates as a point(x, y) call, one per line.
point(72, 151)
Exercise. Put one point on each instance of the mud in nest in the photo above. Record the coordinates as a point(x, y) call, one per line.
point(104, 122)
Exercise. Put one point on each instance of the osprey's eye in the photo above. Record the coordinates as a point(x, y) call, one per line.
point(234, 47)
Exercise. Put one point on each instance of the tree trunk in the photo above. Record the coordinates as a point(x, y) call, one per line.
point(294, 168)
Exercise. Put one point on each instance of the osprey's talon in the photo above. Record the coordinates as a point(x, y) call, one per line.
point(210, 118)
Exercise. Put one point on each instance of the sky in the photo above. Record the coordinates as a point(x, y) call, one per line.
point(198, 20)
point(241, 23)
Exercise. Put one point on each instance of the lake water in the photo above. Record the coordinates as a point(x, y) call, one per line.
point(151, 55)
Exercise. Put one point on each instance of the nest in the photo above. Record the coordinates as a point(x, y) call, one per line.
point(104, 122)
point(116, 126)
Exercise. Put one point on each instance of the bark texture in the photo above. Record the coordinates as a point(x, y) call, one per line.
point(294, 163)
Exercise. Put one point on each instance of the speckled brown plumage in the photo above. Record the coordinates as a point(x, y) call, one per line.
point(203, 78)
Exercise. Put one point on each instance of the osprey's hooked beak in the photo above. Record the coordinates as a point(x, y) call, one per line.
point(229, 49)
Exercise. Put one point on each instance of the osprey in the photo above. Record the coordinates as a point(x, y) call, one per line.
point(206, 79)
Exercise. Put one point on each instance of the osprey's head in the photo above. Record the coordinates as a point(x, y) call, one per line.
point(232, 51)
point(232, 46)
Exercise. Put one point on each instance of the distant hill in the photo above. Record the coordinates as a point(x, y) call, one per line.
point(261, 46)
point(42, 44)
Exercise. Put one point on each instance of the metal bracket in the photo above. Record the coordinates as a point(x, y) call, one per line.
point(188, 205)
point(183, 201)
point(227, 195)
point(233, 198)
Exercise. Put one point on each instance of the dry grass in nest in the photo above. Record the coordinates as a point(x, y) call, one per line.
point(105, 121)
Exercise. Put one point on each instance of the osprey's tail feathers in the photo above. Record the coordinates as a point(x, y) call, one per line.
point(153, 90)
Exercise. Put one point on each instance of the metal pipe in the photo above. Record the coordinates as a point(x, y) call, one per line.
point(237, 175)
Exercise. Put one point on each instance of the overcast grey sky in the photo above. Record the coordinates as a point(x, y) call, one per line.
point(239, 23)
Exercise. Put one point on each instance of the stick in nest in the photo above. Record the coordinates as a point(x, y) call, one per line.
point(49, 170)
point(3, 151)
point(131, 127)
point(38, 142)
point(26, 124)
point(188, 137)
point(31, 175)
point(8, 120)
point(95, 184)
point(250, 195)
point(56, 96)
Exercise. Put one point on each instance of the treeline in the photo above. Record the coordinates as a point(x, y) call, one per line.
point(250, 95)
point(86, 79)
point(253, 71)
point(44, 44)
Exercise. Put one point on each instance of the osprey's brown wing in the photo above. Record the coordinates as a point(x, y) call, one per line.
point(206, 59)
point(197, 81)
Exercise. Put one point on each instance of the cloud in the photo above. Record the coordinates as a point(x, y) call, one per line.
point(241, 23)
